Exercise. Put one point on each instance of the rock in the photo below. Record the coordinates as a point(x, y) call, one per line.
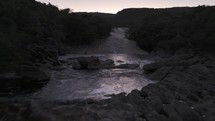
point(58, 68)
point(199, 70)
point(163, 54)
point(156, 117)
point(185, 112)
point(92, 63)
point(76, 65)
point(154, 101)
point(94, 66)
point(210, 64)
point(105, 120)
point(8, 83)
point(150, 68)
point(107, 64)
point(210, 57)
point(127, 66)
point(120, 61)
point(88, 61)
point(171, 113)
point(140, 119)
point(30, 73)
point(63, 61)
point(181, 51)
point(160, 73)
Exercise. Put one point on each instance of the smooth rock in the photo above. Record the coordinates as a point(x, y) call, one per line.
point(93, 63)
point(86, 61)
point(185, 112)
point(107, 64)
point(120, 61)
point(160, 73)
point(156, 117)
point(76, 65)
point(150, 68)
point(127, 66)
point(171, 113)
point(199, 70)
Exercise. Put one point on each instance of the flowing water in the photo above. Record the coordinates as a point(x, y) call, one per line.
point(61, 99)
point(69, 84)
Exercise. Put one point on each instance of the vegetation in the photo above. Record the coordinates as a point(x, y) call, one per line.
point(171, 30)
point(33, 31)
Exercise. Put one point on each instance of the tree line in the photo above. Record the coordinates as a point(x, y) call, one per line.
point(31, 31)
point(171, 30)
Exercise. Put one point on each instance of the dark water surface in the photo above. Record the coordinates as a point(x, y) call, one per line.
point(69, 84)
point(56, 101)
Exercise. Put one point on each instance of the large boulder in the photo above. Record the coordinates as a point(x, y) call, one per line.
point(183, 61)
point(92, 63)
point(107, 64)
point(186, 112)
point(150, 68)
point(127, 66)
point(76, 65)
point(200, 71)
point(160, 73)
point(86, 62)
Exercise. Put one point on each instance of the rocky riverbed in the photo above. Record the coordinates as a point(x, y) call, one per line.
point(77, 90)
point(185, 92)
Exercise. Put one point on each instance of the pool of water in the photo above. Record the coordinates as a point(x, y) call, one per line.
point(70, 84)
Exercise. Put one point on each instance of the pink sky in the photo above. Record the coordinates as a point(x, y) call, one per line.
point(113, 6)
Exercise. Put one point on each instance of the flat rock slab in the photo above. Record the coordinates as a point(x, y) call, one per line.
point(160, 73)
point(127, 66)
point(94, 63)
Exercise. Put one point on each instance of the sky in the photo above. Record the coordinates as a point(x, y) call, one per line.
point(113, 6)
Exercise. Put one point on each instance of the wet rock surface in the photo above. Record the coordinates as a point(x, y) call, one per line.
point(185, 93)
point(94, 63)
point(128, 66)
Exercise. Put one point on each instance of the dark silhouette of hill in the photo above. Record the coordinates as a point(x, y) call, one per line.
point(34, 32)
point(171, 30)
point(131, 16)
point(105, 16)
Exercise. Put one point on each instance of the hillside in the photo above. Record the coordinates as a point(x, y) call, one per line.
point(131, 16)
point(171, 30)
point(35, 33)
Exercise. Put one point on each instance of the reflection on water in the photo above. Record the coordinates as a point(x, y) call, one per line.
point(69, 84)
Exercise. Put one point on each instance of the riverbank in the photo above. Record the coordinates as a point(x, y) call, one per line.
point(184, 91)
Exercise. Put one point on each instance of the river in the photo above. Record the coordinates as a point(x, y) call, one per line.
point(66, 95)
point(69, 84)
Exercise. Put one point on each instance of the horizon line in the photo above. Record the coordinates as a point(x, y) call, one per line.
point(115, 12)
point(135, 8)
